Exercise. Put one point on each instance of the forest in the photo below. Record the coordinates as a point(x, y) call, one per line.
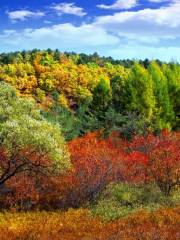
point(89, 147)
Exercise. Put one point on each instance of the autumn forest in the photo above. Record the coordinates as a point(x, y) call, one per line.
point(89, 147)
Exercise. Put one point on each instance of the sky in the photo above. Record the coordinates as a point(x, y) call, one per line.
point(134, 29)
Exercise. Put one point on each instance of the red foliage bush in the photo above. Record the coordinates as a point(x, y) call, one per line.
point(155, 158)
point(95, 164)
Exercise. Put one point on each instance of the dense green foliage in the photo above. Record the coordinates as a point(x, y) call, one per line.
point(120, 200)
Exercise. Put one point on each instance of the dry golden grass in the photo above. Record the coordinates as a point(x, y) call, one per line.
point(80, 225)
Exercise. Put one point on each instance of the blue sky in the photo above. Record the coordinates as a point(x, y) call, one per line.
point(134, 29)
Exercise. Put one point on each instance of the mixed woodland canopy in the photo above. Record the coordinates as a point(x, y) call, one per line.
point(87, 92)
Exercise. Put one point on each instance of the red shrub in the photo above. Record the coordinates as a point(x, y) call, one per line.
point(156, 158)
point(96, 162)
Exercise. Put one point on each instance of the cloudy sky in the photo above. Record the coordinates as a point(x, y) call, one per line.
point(135, 29)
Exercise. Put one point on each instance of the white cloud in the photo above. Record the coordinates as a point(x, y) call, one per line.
point(147, 33)
point(23, 14)
point(158, 1)
point(152, 33)
point(68, 8)
point(66, 37)
point(136, 51)
point(87, 38)
point(120, 4)
point(164, 21)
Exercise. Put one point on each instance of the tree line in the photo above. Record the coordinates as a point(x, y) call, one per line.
point(88, 92)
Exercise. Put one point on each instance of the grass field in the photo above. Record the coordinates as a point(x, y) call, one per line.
point(80, 225)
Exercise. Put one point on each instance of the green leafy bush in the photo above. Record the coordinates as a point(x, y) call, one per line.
point(120, 200)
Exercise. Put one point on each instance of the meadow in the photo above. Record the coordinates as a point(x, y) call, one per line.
point(79, 224)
